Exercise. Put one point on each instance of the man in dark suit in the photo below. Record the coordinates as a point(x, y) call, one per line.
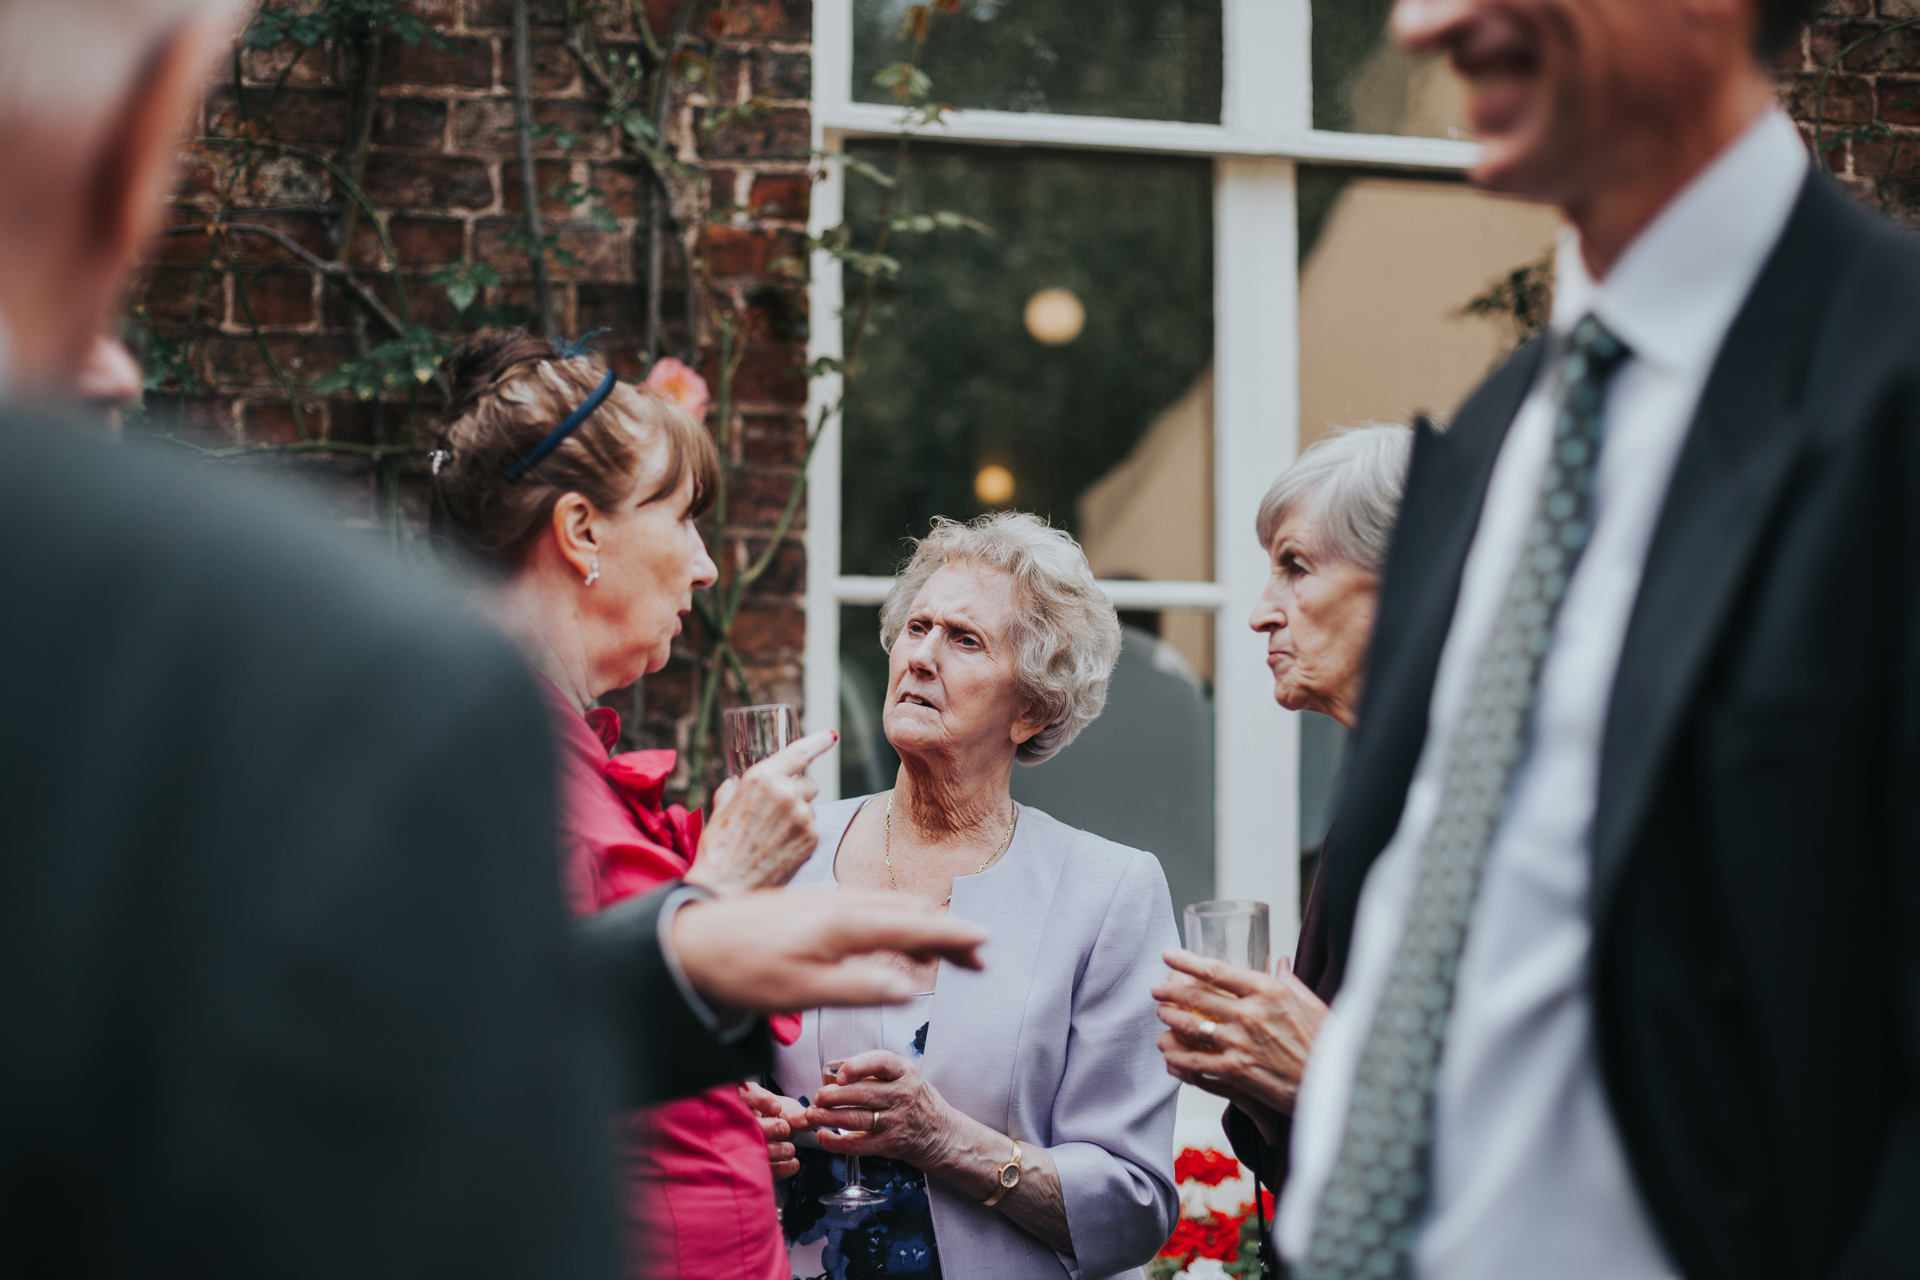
point(1626, 899)
point(288, 988)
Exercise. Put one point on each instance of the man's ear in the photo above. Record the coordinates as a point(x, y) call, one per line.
point(574, 531)
point(134, 170)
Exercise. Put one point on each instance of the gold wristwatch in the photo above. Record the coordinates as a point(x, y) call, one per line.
point(1008, 1177)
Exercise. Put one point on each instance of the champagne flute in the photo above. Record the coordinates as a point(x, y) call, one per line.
point(845, 1032)
point(751, 734)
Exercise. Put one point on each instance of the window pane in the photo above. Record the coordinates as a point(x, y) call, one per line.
point(1141, 59)
point(1363, 83)
point(1107, 780)
point(1388, 266)
point(1060, 365)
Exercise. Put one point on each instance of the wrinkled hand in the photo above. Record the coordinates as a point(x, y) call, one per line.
point(780, 1118)
point(762, 829)
point(883, 1107)
point(1264, 1028)
point(781, 952)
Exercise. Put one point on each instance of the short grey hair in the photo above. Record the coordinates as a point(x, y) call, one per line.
point(1066, 634)
point(1354, 479)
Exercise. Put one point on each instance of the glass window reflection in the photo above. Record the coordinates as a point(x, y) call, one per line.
point(1137, 59)
point(1060, 365)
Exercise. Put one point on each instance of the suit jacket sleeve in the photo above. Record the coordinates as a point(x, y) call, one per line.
point(661, 1048)
point(1114, 1148)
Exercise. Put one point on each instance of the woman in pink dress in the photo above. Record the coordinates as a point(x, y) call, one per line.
point(583, 493)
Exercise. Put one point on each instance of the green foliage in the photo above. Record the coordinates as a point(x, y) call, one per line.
point(463, 282)
point(1521, 300)
point(400, 364)
point(340, 19)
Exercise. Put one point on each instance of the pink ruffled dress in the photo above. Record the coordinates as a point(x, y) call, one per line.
point(697, 1193)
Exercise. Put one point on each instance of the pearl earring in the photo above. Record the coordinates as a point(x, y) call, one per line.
point(593, 571)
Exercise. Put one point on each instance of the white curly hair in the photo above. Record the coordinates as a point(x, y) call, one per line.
point(1066, 634)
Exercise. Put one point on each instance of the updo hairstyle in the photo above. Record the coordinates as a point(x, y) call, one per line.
point(509, 390)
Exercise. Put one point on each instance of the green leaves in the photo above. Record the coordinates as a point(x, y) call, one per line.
point(341, 19)
point(400, 363)
point(942, 220)
point(905, 81)
point(463, 281)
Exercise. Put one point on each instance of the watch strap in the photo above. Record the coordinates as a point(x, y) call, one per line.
point(1000, 1176)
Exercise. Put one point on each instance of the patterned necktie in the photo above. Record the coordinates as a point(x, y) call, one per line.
point(1379, 1185)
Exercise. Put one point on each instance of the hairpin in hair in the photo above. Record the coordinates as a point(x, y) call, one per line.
point(438, 459)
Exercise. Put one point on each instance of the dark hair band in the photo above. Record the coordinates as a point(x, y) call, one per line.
point(561, 432)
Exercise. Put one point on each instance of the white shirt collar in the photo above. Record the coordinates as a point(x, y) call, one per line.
point(1673, 294)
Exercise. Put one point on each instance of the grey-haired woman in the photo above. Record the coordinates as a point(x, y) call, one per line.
point(1018, 1120)
point(1325, 524)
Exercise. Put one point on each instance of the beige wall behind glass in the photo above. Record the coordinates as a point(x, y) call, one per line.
point(1382, 287)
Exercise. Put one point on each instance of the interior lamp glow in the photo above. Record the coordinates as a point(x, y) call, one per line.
point(993, 485)
point(1055, 317)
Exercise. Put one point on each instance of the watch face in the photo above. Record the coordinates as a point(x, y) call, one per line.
point(1010, 1176)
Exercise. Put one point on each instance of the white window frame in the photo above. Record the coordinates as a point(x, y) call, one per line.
point(1265, 130)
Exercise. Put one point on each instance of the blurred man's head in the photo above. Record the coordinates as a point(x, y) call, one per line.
point(93, 94)
point(1578, 102)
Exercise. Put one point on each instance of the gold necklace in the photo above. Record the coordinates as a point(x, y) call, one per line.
point(886, 846)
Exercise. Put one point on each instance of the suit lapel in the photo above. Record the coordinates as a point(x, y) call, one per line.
point(1446, 484)
point(1728, 480)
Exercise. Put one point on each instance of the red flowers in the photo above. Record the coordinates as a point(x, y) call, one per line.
point(1208, 1168)
point(1215, 1236)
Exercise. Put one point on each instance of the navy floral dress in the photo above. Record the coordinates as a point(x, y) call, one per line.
point(891, 1238)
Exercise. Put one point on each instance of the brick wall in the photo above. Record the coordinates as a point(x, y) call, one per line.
point(1868, 118)
point(441, 169)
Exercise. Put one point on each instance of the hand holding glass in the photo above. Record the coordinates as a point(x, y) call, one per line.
point(751, 734)
point(844, 1033)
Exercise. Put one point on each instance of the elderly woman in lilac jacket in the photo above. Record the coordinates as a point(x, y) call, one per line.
point(1016, 1122)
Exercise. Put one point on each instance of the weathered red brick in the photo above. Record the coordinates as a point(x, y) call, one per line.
point(499, 13)
point(623, 186)
point(1847, 99)
point(755, 499)
point(772, 135)
point(600, 255)
point(772, 440)
point(424, 239)
point(422, 182)
point(770, 375)
point(770, 628)
point(467, 65)
point(308, 230)
point(1899, 100)
point(279, 296)
point(298, 115)
point(409, 122)
point(742, 251)
point(781, 195)
point(771, 20)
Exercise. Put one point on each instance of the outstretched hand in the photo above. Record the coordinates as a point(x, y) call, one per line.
point(762, 829)
point(783, 952)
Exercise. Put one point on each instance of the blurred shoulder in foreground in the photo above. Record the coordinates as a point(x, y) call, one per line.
point(288, 982)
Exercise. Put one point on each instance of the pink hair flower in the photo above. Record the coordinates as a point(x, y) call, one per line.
point(679, 384)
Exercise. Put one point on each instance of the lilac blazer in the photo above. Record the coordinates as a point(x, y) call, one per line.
point(1052, 1044)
